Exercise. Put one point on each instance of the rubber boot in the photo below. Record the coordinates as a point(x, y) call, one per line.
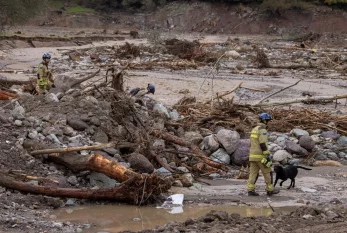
point(275, 191)
point(253, 193)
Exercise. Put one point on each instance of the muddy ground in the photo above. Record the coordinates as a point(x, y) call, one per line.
point(325, 186)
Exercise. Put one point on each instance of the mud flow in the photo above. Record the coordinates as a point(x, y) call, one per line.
point(118, 218)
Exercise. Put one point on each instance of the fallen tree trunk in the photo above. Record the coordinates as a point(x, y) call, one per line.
point(194, 148)
point(134, 191)
point(7, 95)
point(81, 80)
point(136, 188)
point(80, 148)
point(301, 100)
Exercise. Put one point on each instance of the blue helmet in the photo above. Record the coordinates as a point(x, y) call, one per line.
point(151, 88)
point(46, 55)
point(265, 117)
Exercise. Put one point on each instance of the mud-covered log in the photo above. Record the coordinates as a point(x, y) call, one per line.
point(136, 188)
point(7, 95)
point(123, 193)
point(195, 150)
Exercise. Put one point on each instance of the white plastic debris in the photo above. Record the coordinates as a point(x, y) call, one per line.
point(173, 204)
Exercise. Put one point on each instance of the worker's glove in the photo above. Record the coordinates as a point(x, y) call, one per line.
point(266, 161)
point(53, 85)
point(266, 152)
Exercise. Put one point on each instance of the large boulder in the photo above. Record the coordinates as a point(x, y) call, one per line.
point(299, 132)
point(331, 134)
point(229, 139)
point(221, 156)
point(342, 141)
point(77, 124)
point(210, 143)
point(241, 154)
point(307, 142)
point(294, 148)
point(140, 163)
point(281, 156)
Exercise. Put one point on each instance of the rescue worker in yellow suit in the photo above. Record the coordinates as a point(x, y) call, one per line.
point(259, 157)
point(45, 79)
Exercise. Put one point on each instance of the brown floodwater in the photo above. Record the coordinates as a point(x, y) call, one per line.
point(116, 218)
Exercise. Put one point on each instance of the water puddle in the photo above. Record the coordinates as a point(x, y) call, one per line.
point(116, 218)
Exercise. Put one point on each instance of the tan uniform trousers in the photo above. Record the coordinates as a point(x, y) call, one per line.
point(254, 168)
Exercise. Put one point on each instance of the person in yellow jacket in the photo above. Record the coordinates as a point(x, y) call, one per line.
point(259, 157)
point(45, 79)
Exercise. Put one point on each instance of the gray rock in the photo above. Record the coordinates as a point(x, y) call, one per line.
point(101, 180)
point(316, 138)
point(72, 180)
point(333, 156)
point(76, 139)
point(321, 156)
point(51, 98)
point(307, 142)
point(299, 132)
point(3, 119)
point(330, 134)
point(141, 163)
point(241, 154)
point(210, 143)
point(281, 155)
point(281, 141)
point(294, 162)
point(27, 123)
point(272, 138)
point(100, 136)
point(293, 148)
point(95, 121)
point(342, 155)
point(159, 144)
point(53, 138)
point(111, 151)
point(92, 99)
point(69, 131)
point(317, 131)
point(163, 172)
point(52, 130)
point(329, 146)
point(32, 134)
point(183, 169)
point(221, 156)
point(342, 141)
point(18, 123)
point(193, 137)
point(77, 124)
point(18, 113)
point(229, 139)
point(31, 119)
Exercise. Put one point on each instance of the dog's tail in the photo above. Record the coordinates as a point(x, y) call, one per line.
point(305, 168)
